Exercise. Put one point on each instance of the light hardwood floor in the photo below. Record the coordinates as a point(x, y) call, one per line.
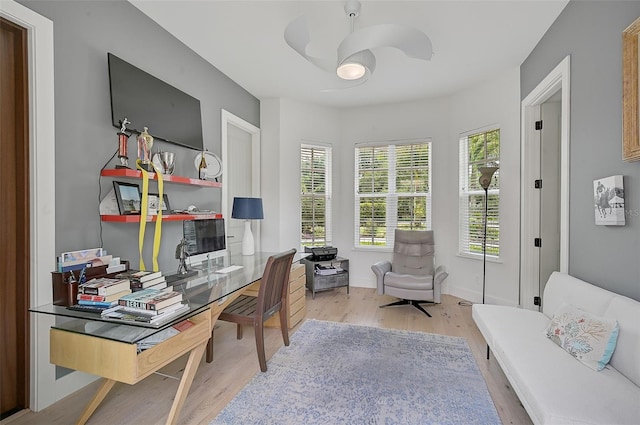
point(235, 362)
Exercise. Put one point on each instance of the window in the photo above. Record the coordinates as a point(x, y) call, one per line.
point(315, 195)
point(479, 149)
point(392, 190)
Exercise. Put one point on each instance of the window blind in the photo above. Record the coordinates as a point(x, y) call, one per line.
point(392, 185)
point(478, 150)
point(315, 195)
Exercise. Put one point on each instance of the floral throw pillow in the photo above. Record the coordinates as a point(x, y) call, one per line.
point(588, 338)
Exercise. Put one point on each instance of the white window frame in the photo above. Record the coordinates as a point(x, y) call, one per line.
point(465, 179)
point(391, 211)
point(328, 239)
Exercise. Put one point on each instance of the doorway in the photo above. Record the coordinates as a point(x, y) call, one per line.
point(15, 221)
point(43, 385)
point(241, 174)
point(549, 192)
point(544, 230)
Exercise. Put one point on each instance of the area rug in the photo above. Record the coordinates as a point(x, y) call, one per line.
point(338, 373)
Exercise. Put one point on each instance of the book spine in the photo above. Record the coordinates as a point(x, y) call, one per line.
point(90, 291)
point(105, 304)
point(142, 311)
point(111, 289)
point(89, 297)
point(139, 304)
point(65, 268)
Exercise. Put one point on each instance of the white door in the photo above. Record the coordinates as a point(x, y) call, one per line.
point(241, 175)
point(544, 214)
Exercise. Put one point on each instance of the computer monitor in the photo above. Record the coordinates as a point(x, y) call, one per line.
point(205, 240)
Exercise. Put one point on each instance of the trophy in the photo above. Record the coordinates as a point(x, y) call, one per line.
point(123, 139)
point(145, 142)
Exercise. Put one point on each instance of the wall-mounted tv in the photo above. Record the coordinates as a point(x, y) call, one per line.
point(170, 114)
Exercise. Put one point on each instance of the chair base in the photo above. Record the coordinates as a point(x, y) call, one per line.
point(409, 302)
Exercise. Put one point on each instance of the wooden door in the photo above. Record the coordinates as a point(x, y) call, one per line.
point(14, 219)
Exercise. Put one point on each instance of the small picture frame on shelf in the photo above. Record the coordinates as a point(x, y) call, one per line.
point(164, 205)
point(152, 204)
point(128, 197)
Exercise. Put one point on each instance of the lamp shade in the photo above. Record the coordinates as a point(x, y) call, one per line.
point(247, 208)
point(486, 174)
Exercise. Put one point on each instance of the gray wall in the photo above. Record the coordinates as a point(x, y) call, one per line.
point(85, 139)
point(591, 33)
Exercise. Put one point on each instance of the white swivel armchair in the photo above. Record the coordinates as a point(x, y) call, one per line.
point(412, 275)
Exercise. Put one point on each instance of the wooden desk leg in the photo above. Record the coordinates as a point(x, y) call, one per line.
point(209, 349)
point(102, 392)
point(185, 383)
point(214, 319)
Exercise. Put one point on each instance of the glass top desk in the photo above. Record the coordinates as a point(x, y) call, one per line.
point(109, 347)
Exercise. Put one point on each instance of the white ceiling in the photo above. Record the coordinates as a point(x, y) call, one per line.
point(472, 41)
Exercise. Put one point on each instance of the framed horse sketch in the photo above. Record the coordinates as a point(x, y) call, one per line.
point(608, 196)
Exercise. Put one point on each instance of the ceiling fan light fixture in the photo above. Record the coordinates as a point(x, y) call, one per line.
point(351, 71)
point(356, 62)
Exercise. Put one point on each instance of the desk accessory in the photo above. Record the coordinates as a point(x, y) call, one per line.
point(65, 284)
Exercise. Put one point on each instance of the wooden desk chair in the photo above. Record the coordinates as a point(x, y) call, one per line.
point(249, 310)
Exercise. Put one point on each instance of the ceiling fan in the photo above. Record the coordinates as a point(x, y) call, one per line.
point(355, 60)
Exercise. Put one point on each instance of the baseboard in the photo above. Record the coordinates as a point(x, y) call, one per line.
point(473, 296)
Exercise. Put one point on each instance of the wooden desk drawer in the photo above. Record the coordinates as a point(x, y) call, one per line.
point(297, 270)
point(295, 318)
point(120, 361)
point(297, 283)
point(297, 304)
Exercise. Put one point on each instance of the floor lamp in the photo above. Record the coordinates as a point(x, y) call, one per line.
point(486, 174)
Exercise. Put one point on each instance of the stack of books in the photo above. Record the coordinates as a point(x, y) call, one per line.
point(147, 305)
point(145, 279)
point(102, 292)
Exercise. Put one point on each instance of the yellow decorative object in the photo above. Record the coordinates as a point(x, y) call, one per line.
point(144, 213)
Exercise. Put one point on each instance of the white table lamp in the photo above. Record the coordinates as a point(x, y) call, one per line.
point(247, 209)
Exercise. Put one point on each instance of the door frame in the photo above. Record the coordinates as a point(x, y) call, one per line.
point(42, 380)
point(557, 80)
point(227, 118)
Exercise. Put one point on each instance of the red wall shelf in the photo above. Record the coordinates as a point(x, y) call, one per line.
point(152, 218)
point(136, 174)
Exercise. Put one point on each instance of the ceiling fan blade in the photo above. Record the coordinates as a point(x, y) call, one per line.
point(412, 42)
point(348, 85)
point(297, 37)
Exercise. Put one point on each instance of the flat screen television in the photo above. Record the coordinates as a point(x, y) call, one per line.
point(205, 239)
point(170, 114)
